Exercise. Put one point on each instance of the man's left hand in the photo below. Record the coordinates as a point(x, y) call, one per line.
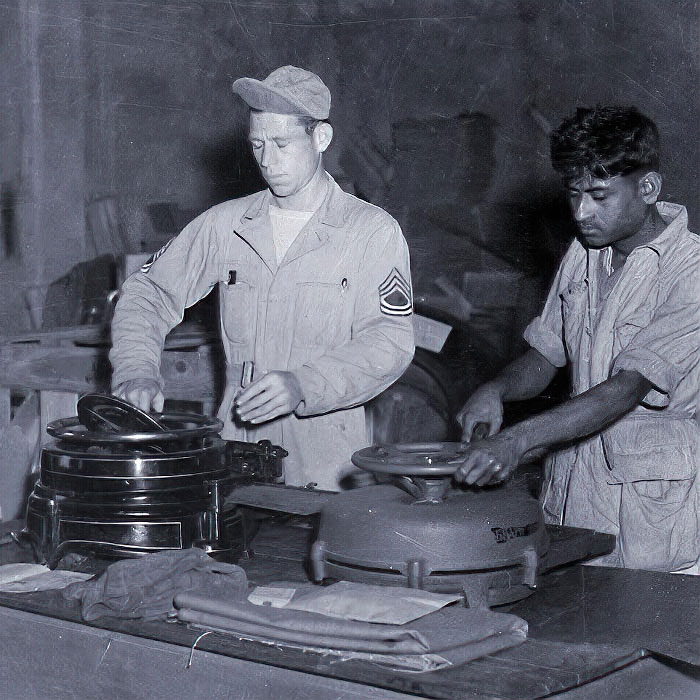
point(491, 461)
point(273, 395)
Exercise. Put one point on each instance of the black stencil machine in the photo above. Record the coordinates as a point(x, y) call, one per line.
point(117, 481)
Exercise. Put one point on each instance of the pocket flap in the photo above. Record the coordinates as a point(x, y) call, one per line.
point(644, 447)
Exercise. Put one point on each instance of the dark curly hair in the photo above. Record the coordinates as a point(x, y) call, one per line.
point(605, 141)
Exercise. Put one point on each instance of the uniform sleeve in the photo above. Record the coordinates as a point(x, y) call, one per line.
point(668, 347)
point(545, 332)
point(152, 300)
point(381, 344)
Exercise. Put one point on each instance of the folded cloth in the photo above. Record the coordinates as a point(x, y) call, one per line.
point(145, 587)
point(447, 637)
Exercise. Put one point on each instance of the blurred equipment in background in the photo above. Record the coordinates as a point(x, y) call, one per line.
point(106, 235)
point(416, 407)
point(80, 297)
point(477, 263)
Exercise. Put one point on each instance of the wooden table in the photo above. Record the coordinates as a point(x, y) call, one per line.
point(593, 632)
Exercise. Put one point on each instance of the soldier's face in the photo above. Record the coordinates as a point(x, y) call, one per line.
point(287, 156)
point(606, 210)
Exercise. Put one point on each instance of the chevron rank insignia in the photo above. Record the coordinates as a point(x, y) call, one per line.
point(147, 265)
point(395, 295)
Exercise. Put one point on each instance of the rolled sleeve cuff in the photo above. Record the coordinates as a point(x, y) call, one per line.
point(146, 373)
point(546, 342)
point(311, 385)
point(661, 373)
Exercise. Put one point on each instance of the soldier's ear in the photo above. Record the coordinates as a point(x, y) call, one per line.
point(650, 187)
point(322, 136)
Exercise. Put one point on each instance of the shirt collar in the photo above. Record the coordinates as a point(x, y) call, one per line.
point(332, 210)
point(676, 218)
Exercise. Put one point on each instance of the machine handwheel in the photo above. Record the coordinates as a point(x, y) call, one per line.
point(103, 413)
point(104, 420)
point(429, 459)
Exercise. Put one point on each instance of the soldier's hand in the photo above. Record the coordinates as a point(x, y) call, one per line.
point(142, 393)
point(275, 394)
point(492, 460)
point(483, 406)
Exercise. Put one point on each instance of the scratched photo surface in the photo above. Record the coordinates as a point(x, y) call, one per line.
point(118, 126)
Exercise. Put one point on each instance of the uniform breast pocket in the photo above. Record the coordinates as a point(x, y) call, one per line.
point(635, 311)
point(627, 327)
point(238, 302)
point(319, 315)
point(624, 335)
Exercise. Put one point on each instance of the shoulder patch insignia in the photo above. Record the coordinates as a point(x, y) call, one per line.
point(147, 265)
point(395, 295)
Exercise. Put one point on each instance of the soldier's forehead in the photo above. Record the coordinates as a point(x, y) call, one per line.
point(274, 124)
point(587, 181)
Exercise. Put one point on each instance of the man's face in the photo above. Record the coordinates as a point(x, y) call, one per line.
point(287, 156)
point(606, 210)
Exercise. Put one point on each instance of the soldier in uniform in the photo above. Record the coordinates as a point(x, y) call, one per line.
point(623, 314)
point(314, 288)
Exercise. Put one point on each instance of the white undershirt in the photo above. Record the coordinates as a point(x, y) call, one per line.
point(286, 226)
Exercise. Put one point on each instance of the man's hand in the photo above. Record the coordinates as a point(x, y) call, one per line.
point(273, 395)
point(484, 406)
point(142, 393)
point(492, 460)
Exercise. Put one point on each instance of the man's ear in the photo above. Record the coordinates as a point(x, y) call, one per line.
point(322, 136)
point(650, 187)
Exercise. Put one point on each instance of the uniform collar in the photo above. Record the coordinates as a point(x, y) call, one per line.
point(676, 218)
point(256, 230)
point(332, 210)
point(258, 207)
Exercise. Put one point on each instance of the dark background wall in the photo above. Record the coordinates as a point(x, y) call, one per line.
point(129, 103)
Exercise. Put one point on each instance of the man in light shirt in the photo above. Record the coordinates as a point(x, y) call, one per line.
point(314, 286)
point(623, 314)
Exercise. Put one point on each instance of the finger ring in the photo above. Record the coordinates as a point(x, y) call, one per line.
point(498, 468)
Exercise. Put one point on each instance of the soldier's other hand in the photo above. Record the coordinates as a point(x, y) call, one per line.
point(483, 406)
point(142, 393)
point(274, 394)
